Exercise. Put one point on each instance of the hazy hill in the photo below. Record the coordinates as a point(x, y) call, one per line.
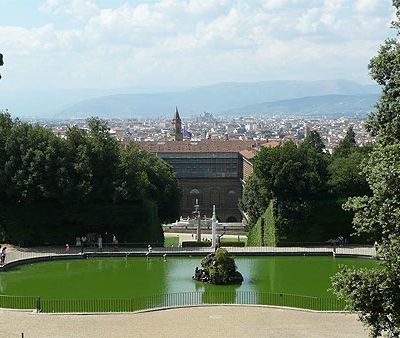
point(226, 97)
point(324, 105)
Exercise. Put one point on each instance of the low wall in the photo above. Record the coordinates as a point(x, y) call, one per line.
point(18, 258)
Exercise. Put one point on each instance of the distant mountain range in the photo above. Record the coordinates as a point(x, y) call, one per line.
point(317, 106)
point(269, 97)
point(287, 97)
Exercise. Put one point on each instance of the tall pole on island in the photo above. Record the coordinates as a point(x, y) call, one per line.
point(214, 229)
point(197, 213)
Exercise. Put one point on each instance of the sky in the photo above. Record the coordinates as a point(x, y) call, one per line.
point(103, 44)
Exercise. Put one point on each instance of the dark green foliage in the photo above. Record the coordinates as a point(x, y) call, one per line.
point(346, 175)
point(86, 182)
point(376, 294)
point(50, 223)
point(289, 172)
point(143, 174)
point(188, 244)
point(255, 197)
point(308, 187)
point(232, 242)
point(385, 69)
point(264, 232)
point(347, 144)
point(314, 141)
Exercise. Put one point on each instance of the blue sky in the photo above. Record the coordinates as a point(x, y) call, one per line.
point(113, 44)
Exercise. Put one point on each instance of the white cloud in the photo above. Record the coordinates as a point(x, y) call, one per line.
point(367, 6)
point(77, 10)
point(192, 41)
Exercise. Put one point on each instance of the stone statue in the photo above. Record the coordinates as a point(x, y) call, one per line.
point(1, 61)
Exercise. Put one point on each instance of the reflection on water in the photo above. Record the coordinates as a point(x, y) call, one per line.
point(137, 276)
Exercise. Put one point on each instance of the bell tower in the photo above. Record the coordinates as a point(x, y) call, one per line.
point(177, 126)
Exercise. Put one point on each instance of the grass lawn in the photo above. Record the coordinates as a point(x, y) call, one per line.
point(171, 241)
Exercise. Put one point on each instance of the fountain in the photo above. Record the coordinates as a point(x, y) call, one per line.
point(217, 267)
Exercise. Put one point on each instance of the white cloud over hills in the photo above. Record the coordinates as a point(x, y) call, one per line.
point(104, 44)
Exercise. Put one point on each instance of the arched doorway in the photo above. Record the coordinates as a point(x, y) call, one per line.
point(194, 195)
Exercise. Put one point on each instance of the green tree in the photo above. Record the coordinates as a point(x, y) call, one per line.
point(292, 176)
point(79, 177)
point(314, 141)
point(163, 186)
point(345, 173)
point(347, 145)
point(103, 159)
point(255, 198)
point(376, 293)
point(50, 187)
point(292, 173)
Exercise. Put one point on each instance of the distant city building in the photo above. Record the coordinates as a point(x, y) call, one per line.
point(177, 125)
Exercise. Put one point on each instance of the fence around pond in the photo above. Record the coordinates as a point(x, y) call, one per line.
point(170, 300)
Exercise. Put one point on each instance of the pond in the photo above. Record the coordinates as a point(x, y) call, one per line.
point(136, 276)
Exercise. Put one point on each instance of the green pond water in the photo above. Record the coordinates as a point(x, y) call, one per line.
point(121, 278)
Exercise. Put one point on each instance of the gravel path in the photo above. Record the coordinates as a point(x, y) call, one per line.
point(212, 321)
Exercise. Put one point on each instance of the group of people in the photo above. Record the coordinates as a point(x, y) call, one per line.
point(85, 241)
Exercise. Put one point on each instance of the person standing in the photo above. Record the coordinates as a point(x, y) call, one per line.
point(67, 248)
point(84, 240)
point(100, 242)
point(3, 256)
point(115, 243)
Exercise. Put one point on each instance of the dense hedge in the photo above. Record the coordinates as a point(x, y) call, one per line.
point(316, 221)
point(188, 244)
point(56, 224)
point(264, 232)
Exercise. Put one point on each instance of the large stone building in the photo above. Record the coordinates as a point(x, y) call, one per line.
point(210, 171)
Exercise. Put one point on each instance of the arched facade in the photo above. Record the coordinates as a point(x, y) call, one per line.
point(223, 193)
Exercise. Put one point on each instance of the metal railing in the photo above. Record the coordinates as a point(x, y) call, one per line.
point(172, 300)
point(18, 302)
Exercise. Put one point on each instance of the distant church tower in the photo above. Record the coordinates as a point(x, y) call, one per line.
point(177, 126)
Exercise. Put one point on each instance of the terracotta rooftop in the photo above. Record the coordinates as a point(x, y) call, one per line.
point(248, 154)
point(203, 146)
point(251, 153)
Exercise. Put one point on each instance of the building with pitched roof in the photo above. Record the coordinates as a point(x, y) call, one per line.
point(210, 171)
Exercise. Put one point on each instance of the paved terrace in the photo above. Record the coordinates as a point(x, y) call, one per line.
point(21, 255)
point(208, 321)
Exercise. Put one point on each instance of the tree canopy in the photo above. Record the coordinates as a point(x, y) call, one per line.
point(88, 167)
point(376, 293)
point(314, 140)
point(299, 178)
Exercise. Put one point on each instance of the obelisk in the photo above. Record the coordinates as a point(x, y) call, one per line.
point(214, 229)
